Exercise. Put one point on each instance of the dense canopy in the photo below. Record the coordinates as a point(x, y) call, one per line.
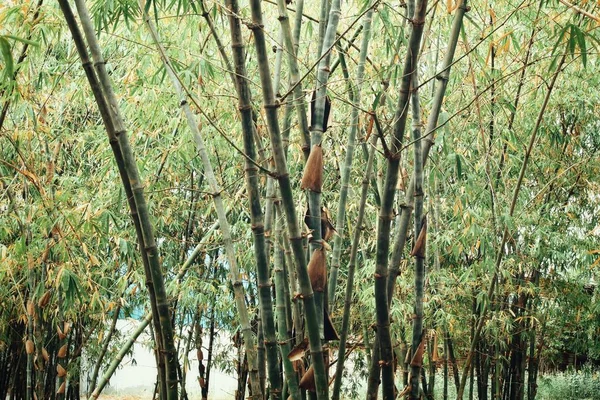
point(406, 189)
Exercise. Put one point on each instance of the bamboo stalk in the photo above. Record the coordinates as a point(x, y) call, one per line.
point(104, 350)
point(235, 276)
point(318, 126)
point(420, 231)
point(347, 166)
point(271, 105)
point(443, 77)
point(282, 326)
point(386, 209)
point(256, 215)
point(291, 51)
point(352, 265)
point(110, 130)
point(149, 245)
point(120, 355)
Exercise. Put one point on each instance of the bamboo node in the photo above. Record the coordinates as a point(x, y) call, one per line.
point(275, 105)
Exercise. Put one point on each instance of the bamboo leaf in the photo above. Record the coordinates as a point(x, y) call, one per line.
point(9, 67)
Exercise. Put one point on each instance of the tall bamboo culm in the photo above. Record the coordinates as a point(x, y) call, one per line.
point(386, 210)
point(235, 276)
point(420, 234)
point(271, 105)
point(264, 285)
point(428, 140)
point(347, 166)
point(130, 177)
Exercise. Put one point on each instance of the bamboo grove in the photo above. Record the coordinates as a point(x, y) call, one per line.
point(367, 198)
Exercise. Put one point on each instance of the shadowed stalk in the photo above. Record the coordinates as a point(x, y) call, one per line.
point(347, 166)
point(428, 140)
point(386, 210)
point(282, 326)
point(235, 276)
point(420, 231)
point(125, 164)
point(271, 105)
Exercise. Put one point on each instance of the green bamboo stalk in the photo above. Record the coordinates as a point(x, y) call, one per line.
point(256, 215)
point(298, 24)
point(318, 125)
point(120, 355)
point(235, 275)
point(407, 206)
point(483, 315)
point(352, 266)
point(104, 350)
point(347, 166)
point(420, 228)
point(428, 139)
point(110, 130)
point(149, 244)
point(271, 105)
point(282, 319)
point(298, 99)
point(323, 23)
point(386, 209)
point(293, 282)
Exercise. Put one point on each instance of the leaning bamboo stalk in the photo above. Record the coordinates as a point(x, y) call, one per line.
point(483, 315)
point(386, 209)
point(347, 166)
point(271, 105)
point(166, 335)
point(111, 132)
point(104, 350)
point(235, 276)
point(120, 355)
